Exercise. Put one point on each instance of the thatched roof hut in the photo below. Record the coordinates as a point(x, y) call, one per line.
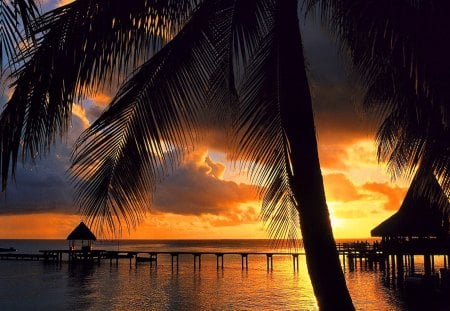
point(82, 233)
point(423, 213)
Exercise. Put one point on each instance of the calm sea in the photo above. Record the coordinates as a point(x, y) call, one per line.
point(26, 285)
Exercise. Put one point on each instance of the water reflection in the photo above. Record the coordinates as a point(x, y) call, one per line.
point(26, 286)
point(82, 284)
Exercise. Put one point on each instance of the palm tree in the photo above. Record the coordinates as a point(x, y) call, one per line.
point(16, 16)
point(400, 51)
point(239, 57)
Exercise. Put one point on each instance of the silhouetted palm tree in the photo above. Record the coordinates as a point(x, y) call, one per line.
point(16, 17)
point(228, 57)
point(400, 49)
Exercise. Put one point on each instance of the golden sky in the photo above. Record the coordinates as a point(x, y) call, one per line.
point(206, 197)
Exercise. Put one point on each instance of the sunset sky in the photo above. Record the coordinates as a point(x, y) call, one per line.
point(206, 197)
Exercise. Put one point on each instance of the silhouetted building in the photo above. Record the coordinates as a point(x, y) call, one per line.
point(423, 213)
point(420, 227)
point(81, 233)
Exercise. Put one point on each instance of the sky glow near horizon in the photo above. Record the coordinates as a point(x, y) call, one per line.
point(206, 197)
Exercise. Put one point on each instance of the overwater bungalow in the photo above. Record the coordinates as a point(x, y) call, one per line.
point(419, 228)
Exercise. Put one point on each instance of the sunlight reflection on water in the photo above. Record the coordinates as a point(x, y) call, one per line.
point(39, 286)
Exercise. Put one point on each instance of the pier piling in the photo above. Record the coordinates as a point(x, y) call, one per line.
point(295, 261)
point(246, 261)
point(174, 255)
point(219, 255)
point(197, 255)
point(269, 262)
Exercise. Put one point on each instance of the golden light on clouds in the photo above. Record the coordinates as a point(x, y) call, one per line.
point(64, 2)
point(79, 112)
point(360, 193)
point(101, 99)
point(202, 200)
point(208, 197)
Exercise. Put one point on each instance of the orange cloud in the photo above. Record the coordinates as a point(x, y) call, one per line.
point(394, 195)
point(217, 168)
point(333, 156)
point(64, 2)
point(338, 187)
point(195, 189)
point(79, 112)
point(101, 99)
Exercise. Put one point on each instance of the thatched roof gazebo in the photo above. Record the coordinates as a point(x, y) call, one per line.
point(420, 227)
point(81, 233)
point(423, 213)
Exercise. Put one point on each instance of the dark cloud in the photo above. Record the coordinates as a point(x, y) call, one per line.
point(194, 190)
point(42, 187)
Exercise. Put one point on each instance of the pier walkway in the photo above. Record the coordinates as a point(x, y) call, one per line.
point(369, 255)
point(152, 256)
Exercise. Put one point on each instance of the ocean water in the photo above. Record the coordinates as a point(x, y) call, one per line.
point(27, 285)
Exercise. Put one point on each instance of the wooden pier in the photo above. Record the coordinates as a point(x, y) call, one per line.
point(367, 255)
point(395, 260)
point(31, 257)
point(83, 256)
point(348, 251)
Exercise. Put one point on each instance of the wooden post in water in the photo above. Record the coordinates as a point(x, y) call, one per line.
point(173, 256)
point(351, 263)
point(427, 264)
point(153, 258)
point(246, 261)
point(393, 266)
point(343, 258)
point(197, 255)
point(388, 265)
point(295, 261)
point(217, 259)
point(400, 269)
point(269, 262)
point(432, 264)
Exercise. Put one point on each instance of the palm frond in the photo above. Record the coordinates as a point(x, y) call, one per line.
point(400, 50)
point(150, 124)
point(236, 38)
point(160, 106)
point(16, 17)
point(260, 142)
point(80, 48)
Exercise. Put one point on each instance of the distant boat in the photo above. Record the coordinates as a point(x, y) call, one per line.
point(11, 249)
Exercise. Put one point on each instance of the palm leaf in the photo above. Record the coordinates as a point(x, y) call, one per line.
point(149, 125)
point(80, 47)
point(261, 142)
point(400, 50)
point(15, 17)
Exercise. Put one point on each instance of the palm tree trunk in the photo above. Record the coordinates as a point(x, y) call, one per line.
point(322, 258)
